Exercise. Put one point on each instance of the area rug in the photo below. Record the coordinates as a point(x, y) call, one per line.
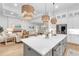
point(72, 52)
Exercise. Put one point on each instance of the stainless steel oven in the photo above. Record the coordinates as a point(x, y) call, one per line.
point(61, 28)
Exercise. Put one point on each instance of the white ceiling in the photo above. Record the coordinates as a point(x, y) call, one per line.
point(14, 10)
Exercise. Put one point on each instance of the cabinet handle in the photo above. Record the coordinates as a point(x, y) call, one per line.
point(59, 43)
point(54, 49)
point(29, 48)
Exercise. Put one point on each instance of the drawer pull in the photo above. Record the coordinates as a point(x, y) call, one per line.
point(29, 48)
point(54, 49)
point(59, 43)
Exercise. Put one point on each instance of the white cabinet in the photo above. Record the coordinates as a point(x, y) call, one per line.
point(59, 49)
point(39, 46)
point(29, 51)
point(73, 38)
point(73, 35)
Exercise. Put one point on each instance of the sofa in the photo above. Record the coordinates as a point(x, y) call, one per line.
point(3, 37)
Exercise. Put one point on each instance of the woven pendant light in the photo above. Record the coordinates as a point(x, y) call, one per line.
point(53, 20)
point(45, 18)
point(27, 11)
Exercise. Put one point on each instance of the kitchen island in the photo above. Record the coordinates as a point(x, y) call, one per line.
point(41, 46)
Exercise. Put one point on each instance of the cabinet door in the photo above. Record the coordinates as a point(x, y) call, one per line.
point(56, 50)
point(64, 44)
point(29, 52)
point(59, 49)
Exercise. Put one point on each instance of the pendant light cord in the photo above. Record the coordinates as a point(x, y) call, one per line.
point(53, 9)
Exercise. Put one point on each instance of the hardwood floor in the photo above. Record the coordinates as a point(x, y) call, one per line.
point(12, 49)
point(72, 46)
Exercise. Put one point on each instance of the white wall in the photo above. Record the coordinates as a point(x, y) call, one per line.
point(73, 21)
point(3, 21)
point(8, 21)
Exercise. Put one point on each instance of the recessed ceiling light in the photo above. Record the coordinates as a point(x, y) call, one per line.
point(15, 4)
point(56, 6)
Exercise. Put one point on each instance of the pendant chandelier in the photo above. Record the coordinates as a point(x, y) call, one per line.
point(27, 12)
point(53, 19)
point(45, 17)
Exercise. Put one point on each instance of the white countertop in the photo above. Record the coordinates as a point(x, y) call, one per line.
point(42, 45)
point(73, 31)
